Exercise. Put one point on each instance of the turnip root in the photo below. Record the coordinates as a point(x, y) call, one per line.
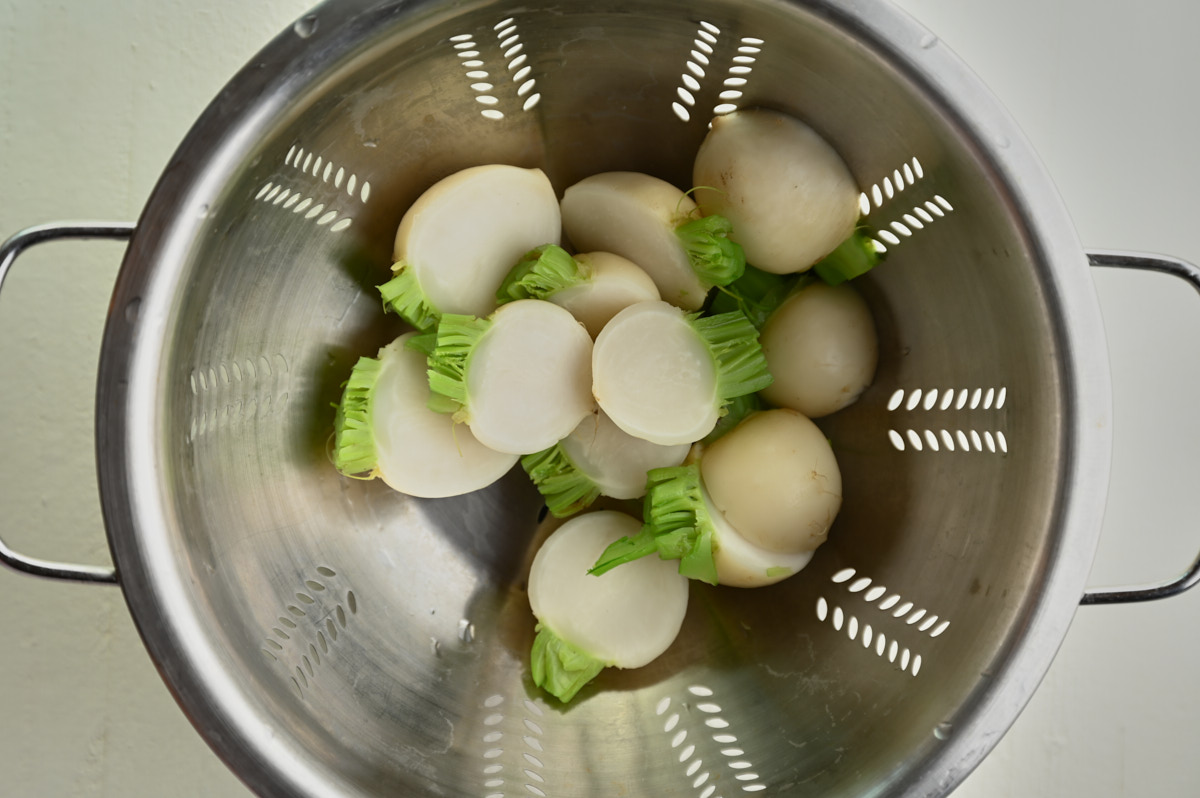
point(594, 286)
point(624, 619)
point(596, 459)
point(385, 429)
point(776, 481)
point(460, 238)
point(665, 376)
point(788, 195)
point(520, 379)
point(822, 349)
point(657, 226)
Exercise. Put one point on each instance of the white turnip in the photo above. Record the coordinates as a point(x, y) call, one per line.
point(385, 429)
point(624, 619)
point(520, 379)
point(788, 195)
point(459, 239)
point(657, 226)
point(665, 376)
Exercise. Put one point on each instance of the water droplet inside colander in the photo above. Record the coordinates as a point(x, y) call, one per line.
point(305, 26)
point(942, 731)
point(132, 309)
point(466, 631)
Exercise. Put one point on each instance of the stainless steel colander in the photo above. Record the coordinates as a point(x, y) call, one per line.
point(329, 637)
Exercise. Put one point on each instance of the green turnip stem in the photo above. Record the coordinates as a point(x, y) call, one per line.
point(354, 444)
point(566, 489)
point(424, 343)
point(457, 336)
point(677, 526)
point(714, 257)
point(543, 272)
point(854, 257)
point(734, 413)
point(560, 668)
point(733, 342)
point(756, 294)
point(404, 296)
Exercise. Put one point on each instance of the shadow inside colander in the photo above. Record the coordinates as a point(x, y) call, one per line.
point(877, 486)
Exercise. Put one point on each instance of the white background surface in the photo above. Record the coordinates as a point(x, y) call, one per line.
point(94, 96)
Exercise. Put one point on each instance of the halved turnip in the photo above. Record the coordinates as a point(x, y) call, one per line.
point(776, 481)
point(822, 349)
point(788, 194)
point(624, 619)
point(657, 226)
point(594, 286)
point(520, 379)
point(665, 376)
point(385, 429)
point(596, 459)
point(460, 238)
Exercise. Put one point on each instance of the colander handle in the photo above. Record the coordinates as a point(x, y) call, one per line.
point(9, 251)
point(1190, 273)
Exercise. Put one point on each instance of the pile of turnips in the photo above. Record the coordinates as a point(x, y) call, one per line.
point(674, 349)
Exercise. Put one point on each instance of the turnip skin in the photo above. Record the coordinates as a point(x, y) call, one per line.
point(822, 349)
point(740, 563)
point(776, 480)
point(789, 196)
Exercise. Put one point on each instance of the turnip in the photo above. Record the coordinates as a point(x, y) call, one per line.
point(384, 429)
point(740, 563)
point(594, 286)
point(657, 226)
point(776, 481)
point(459, 239)
point(747, 510)
point(624, 619)
point(520, 379)
point(822, 349)
point(789, 196)
point(682, 523)
point(665, 376)
point(596, 459)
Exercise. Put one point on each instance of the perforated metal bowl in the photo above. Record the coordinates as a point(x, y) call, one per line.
point(331, 638)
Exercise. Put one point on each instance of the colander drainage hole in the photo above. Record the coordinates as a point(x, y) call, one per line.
point(935, 400)
point(884, 648)
point(497, 728)
point(698, 64)
point(920, 216)
point(706, 37)
point(303, 640)
point(929, 621)
point(686, 745)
